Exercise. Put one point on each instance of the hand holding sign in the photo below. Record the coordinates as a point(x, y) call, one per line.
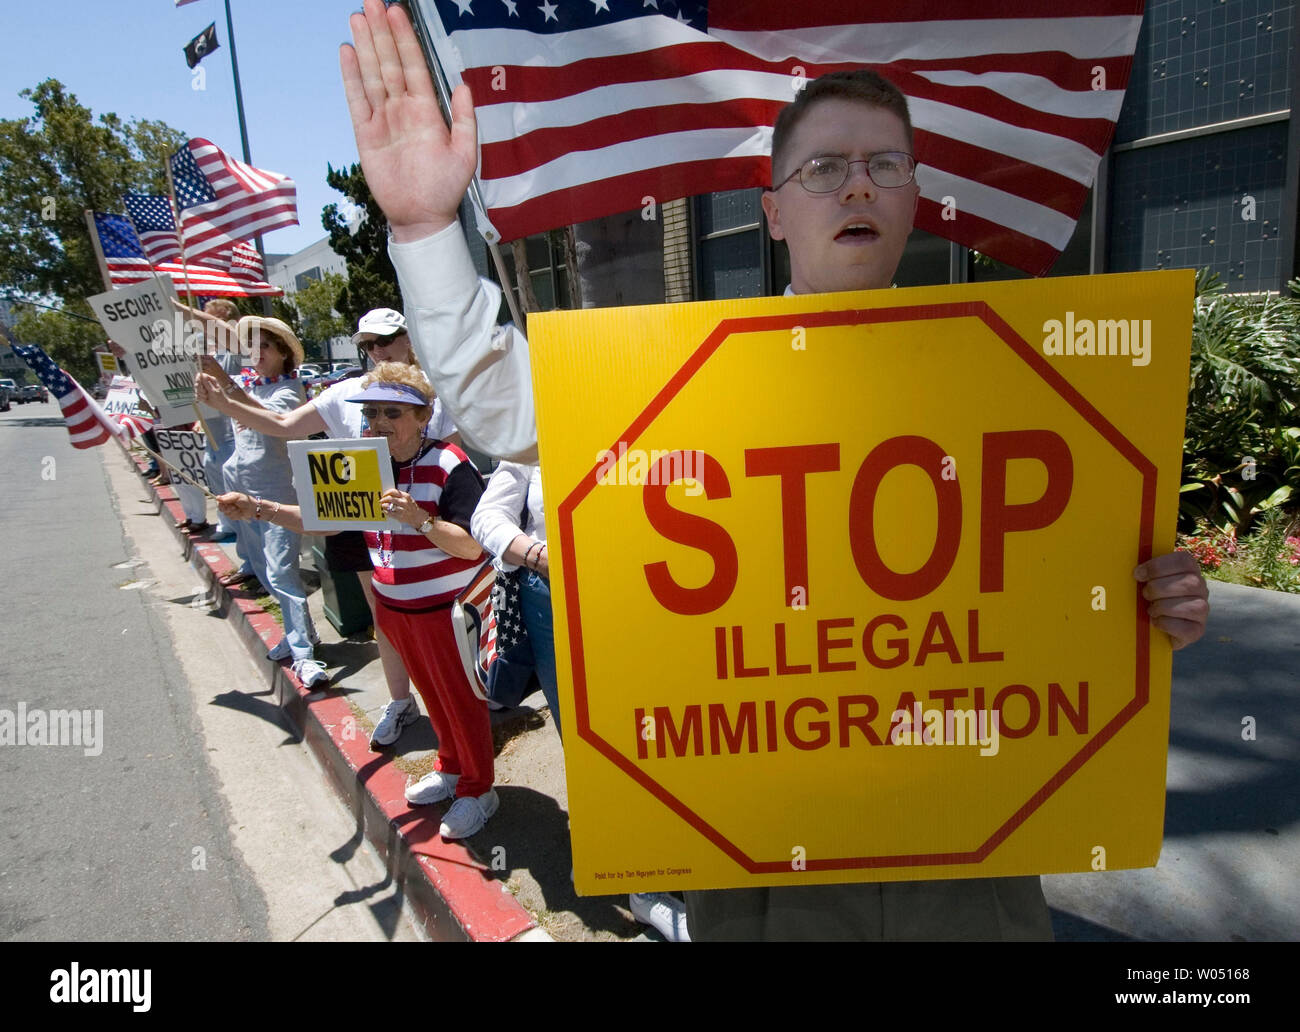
point(208, 390)
point(402, 507)
point(1177, 595)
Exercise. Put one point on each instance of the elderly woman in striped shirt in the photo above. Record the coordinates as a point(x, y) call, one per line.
point(420, 568)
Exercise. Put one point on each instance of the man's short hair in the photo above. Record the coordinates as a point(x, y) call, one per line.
point(860, 84)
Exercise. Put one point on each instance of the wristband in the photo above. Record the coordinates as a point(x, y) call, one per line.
point(257, 508)
point(528, 556)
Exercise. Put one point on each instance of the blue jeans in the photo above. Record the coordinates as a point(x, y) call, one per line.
point(218, 450)
point(535, 604)
point(273, 552)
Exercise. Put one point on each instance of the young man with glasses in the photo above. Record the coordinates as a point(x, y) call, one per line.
point(847, 237)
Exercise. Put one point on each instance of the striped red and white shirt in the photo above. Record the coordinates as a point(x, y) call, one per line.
point(411, 572)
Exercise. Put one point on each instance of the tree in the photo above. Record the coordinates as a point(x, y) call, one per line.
point(372, 280)
point(315, 320)
point(53, 166)
point(67, 339)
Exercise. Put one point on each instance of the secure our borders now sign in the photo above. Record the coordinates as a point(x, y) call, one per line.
point(843, 584)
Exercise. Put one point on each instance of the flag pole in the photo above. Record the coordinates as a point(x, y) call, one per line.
point(180, 227)
point(239, 95)
point(475, 194)
point(107, 277)
point(185, 271)
point(99, 248)
point(243, 133)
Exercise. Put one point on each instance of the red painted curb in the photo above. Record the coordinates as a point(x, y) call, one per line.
point(480, 906)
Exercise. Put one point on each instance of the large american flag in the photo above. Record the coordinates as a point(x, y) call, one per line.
point(586, 107)
point(235, 270)
point(88, 424)
point(222, 201)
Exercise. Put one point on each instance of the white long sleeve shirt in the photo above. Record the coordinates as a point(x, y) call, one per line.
point(496, 519)
point(478, 369)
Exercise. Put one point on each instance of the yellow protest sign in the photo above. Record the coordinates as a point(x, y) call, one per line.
point(843, 584)
point(339, 482)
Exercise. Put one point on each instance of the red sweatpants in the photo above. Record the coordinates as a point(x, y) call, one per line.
point(460, 718)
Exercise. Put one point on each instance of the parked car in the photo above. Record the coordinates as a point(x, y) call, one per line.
point(32, 392)
point(8, 393)
point(341, 371)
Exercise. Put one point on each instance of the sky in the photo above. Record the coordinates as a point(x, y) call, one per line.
point(127, 57)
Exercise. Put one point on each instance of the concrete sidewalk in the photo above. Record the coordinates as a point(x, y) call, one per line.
point(512, 879)
point(1227, 870)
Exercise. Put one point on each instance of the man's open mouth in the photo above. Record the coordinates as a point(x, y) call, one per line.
point(857, 231)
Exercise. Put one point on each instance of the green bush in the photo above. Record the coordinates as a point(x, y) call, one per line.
point(1241, 450)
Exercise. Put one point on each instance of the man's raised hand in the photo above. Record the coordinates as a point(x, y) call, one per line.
point(417, 170)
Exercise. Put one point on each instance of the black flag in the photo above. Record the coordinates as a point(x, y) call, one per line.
point(201, 45)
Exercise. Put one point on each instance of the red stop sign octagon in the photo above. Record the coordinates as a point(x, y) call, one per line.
point(1036, 794)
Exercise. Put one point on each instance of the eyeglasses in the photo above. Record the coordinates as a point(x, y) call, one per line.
point(888, 169)
point(379, 342)
point(391, 414)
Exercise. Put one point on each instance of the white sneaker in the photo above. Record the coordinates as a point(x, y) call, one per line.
point(468, 815)
point(664, 913)
point(310, 672)
point(398, 714)
point(432, 788)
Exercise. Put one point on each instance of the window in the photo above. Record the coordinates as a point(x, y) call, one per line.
point(733, 247)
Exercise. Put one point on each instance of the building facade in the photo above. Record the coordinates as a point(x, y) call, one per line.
point(292, 272)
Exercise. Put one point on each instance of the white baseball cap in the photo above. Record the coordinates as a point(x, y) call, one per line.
point(379, 322)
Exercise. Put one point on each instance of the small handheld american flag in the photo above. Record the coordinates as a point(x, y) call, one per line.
point(88, 424)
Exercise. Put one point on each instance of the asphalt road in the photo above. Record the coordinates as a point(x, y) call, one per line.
point(98, 846)
point(197, 814)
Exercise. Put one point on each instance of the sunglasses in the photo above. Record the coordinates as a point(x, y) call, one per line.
point(379, 342)
point(390, 414)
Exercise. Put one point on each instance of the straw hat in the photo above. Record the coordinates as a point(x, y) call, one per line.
point(251, 327)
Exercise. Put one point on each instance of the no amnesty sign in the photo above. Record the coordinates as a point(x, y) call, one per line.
point(843, 583)
point(339, 483)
